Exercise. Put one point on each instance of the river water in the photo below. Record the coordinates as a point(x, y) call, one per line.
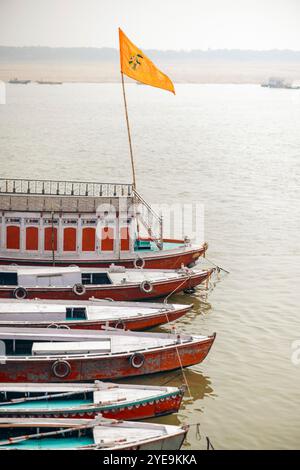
point(234, 148)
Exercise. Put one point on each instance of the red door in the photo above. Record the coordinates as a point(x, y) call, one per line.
point(70, 239)
point(124, 233)
point(48, 238)
point(107, 239)
point(88, 239)
point(32, 238)
point(12, 237)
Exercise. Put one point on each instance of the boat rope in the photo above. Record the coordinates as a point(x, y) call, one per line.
point(198, 434)
point(216, 266)
point(183, 373)
point(209, 445)
point(188, 277)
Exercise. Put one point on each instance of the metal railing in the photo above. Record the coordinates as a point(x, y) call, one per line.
point(150, 219)
point(64, 188)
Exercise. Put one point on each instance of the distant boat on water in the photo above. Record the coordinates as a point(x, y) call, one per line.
point(19, 82)
point(279, 83)
point(48, 82)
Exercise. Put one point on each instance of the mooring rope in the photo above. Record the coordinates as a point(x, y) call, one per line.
point(188, 277)
point(209, 445)
point(217, 266)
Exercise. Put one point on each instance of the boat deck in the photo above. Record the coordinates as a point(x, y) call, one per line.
point(32, 312)
point(111, 342)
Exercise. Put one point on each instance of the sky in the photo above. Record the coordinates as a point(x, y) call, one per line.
point(155, 24)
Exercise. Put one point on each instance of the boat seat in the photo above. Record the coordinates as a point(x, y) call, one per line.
point(108, 396)
point(82, 347)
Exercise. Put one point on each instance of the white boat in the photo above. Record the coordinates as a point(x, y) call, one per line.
point(93, 314)
point(87, 434)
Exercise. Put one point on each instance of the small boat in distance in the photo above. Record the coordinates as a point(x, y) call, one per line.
point(48, 82)
point(88, 434)
point(116, 282)
point(93, 314)
point(279, 83)
point(59, 355)
point(16, 81)
point(86, 400)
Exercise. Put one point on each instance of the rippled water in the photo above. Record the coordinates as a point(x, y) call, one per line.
point(236, 149)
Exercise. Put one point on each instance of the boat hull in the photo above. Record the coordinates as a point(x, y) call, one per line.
point(143, 409)
point(106, 367)
point(154, 260)
point(174, 442)
point(114, 292)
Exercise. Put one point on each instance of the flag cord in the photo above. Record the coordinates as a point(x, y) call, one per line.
point(128, 132)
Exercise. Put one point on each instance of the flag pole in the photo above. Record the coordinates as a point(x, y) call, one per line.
point(128, 132)
point(130, 148)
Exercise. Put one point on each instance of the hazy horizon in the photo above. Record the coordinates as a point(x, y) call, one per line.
point(182, 51)
point(169, 25)
point(223, 41)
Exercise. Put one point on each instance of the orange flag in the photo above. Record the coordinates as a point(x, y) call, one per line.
point(135, 64)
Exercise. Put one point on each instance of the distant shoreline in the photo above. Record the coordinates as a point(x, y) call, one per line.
point(101, 65)
point(187, 71)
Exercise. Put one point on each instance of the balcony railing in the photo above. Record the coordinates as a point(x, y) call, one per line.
point(64, 188)
point(147, 216)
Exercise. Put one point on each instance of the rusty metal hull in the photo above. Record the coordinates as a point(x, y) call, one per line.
point(130, 291)
point(157, 260)
point(106, 367)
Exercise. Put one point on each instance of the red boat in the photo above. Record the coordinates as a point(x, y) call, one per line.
point(92, 315)
point(46, 355)
point(88, 224)
point(71, 400)
point(116, 282)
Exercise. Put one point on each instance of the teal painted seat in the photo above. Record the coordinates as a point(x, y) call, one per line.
point(53, 443)
point(49, 404)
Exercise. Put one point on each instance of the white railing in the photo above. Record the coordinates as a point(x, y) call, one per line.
point(150, 219)
point(64, 188)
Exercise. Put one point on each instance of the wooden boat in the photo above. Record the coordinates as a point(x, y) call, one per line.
point(71, 400)
point(93, 314)
point(88, 434)
point(16, 81)
point(48, 82)
point(47, 355)
point(116, 282)
point(87, 224)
